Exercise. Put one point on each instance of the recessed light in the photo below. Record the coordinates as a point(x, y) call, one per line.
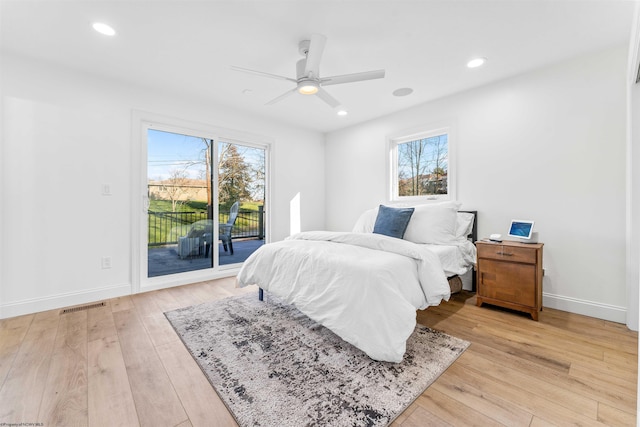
point(476, 62)
point(341, 111)
point(403, 91)
point(104, 29)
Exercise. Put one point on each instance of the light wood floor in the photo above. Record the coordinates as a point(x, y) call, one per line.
point(122, 364)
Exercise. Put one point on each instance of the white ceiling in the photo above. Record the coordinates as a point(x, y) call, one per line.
point(187, 47)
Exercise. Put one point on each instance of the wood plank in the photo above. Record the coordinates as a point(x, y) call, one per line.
point(615, 417)
point(403, 416)
point(493, 407)
point(421, 417)
point(64, 399)
point(43, 321)
point(613, 396)
point(622, 361)
point(618, 340)
point(158, 328)
point(121, 303)
point(520, 396)
point(22, 390)
point(586, 373)
point(145, 304)
point(184, 296)
point(110, 400)
point(531, 380)
point(156, 401)
point(444, 408)
point(590, 339)
point(539, 422)
point(531, 353)
point(551, 346)
point(210, 292)
point(100, 323)
point(165, 301)
point(12, 332)
point(201, 402)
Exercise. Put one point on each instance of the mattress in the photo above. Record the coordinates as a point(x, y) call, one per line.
point(455, 259)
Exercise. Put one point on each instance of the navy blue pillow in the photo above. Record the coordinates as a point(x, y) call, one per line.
point(392, 221)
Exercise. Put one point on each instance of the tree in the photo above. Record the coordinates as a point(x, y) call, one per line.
point(207, 174)
point(175, 187)
point(234, 177)
point(422, 164)
point(411, 167)
point(258, 179)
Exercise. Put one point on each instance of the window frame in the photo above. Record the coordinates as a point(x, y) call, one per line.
point(142, 121)
point(427, 131)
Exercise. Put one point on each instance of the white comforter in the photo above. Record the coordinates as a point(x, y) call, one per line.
point(364, 287)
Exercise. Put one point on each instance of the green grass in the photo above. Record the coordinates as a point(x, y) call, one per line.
point(187, 206)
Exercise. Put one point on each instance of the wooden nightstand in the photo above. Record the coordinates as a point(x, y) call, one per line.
point(509, 274)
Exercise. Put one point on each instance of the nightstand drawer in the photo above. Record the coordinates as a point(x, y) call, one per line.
point(507, 253)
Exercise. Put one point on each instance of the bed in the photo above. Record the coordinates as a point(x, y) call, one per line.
point(366, 286)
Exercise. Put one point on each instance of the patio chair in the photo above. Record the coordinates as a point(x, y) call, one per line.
point(224, 231)
point(197, 238)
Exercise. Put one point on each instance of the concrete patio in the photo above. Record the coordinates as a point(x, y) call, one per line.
point(164, 260)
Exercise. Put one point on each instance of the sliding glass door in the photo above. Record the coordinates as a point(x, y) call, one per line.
point(241, 186)
point(206, 201)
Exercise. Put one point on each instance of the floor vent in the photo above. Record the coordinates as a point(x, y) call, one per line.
point(82, 307)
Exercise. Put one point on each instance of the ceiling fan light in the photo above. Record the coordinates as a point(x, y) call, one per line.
point(308, 89)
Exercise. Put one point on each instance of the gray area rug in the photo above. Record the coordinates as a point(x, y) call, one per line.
point(273, 366)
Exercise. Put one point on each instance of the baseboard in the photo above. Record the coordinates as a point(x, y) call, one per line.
point(35, 305)
point(588, 308)
point(163, 282)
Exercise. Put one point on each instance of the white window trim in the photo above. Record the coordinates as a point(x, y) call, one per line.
point(412, 134)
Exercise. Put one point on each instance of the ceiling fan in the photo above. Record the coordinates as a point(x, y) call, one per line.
point(308, 80)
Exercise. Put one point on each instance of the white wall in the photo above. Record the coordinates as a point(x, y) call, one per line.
point(64, 135)
point(547, 146)
point(633, 174)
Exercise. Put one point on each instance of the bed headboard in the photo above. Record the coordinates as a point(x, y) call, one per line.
point(473, 236)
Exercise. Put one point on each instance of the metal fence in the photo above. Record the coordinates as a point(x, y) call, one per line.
point(165, 227)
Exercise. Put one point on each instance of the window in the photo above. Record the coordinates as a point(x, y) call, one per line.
point(421, 166)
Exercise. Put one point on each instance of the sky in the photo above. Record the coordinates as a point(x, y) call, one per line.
point(167, 152)
point(170, 151)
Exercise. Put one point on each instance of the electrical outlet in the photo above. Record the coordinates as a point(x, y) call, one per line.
point(106, 190)
point(106, 262)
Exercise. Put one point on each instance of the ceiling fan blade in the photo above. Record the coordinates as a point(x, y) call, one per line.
point(324, 95)
point(263, 74)
point(316, 47)
point(349, 78)
point(281, 97)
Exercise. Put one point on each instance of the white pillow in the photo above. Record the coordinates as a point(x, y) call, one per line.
point(366, 222)
point(433, 224)
point(464, 225)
